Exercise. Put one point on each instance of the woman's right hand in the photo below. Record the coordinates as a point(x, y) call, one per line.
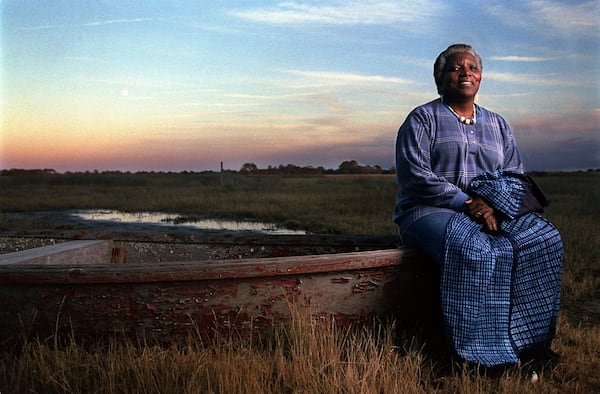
point(481, 212)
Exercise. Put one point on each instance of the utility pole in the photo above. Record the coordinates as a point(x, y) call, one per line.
point(222, 174)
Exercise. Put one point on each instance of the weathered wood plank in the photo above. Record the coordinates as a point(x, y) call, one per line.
point(74, 252)
point(81, 271)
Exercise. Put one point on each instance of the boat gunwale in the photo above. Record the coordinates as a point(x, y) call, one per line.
point(198, 270)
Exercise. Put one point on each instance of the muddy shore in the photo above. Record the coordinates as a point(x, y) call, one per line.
point(164, 242)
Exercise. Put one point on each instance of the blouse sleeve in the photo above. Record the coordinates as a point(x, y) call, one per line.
point(418, 183)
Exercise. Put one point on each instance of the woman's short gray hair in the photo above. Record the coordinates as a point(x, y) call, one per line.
point(440, 63)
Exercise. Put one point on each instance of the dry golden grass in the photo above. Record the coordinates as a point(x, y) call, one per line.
point(307, 356)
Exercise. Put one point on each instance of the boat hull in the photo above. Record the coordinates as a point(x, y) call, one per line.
point(60, 296)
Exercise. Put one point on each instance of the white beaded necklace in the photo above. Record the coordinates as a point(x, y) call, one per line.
point(462, 119)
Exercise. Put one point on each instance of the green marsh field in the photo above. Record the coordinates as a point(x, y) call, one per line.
point(306, 356)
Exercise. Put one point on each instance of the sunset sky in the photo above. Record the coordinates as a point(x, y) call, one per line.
point(184, 85)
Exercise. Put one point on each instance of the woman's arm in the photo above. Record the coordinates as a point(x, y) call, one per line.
point(418, 182)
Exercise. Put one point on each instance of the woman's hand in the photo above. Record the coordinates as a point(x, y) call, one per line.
point(481, 212)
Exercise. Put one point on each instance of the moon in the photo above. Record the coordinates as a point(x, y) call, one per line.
point(124, 92)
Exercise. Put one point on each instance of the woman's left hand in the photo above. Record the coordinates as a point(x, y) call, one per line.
point(481, 212)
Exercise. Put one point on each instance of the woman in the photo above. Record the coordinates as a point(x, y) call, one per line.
point(465, 201)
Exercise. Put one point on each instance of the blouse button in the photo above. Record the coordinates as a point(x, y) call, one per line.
point(471, 131)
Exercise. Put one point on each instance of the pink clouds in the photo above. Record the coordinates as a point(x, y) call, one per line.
point(586, 122)
point(567, 142)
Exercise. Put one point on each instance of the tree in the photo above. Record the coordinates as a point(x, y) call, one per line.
point(248, 168)
point(349, 167)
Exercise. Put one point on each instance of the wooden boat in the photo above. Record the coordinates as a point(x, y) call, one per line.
point(92, 288)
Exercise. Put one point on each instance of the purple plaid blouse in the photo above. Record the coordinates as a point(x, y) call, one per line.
point(437, 156)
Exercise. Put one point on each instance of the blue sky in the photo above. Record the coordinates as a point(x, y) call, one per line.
point(184, 85)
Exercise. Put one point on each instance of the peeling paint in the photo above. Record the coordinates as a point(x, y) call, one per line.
point(164, 302)
point(341, 280)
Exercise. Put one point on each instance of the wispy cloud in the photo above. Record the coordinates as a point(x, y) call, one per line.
point(249, 96)
point(550, 16)
point(211, 27)
point(87, 24)
point(567, 142)
point(343, 13)
point(349, 78)
point(116, 21)
point(325, 100)
point(581, 18)
point(533, 79)
point(141, 81)
point(526, 59)
point(560, 125)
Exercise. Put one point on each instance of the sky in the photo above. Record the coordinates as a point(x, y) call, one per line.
point(185, 85)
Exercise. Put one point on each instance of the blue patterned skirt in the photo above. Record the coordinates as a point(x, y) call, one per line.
point(500, 291)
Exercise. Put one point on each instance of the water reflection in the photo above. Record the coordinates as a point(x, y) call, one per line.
point(170, 219)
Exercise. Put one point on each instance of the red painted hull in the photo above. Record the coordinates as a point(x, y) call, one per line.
point(49, 297)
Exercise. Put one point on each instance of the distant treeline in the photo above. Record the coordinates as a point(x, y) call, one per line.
point(346, 167)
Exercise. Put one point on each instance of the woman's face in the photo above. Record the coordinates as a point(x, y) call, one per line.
point(461, 77)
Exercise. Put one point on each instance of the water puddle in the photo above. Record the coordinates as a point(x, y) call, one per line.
point(171, 219)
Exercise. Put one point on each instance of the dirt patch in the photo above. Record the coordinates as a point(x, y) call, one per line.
point(17, 244)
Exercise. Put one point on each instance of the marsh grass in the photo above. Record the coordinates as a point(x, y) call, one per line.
point(574, 210)
point(306, 356)
point(320, 204)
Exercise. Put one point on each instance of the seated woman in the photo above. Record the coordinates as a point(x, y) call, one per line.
point(465, 201)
